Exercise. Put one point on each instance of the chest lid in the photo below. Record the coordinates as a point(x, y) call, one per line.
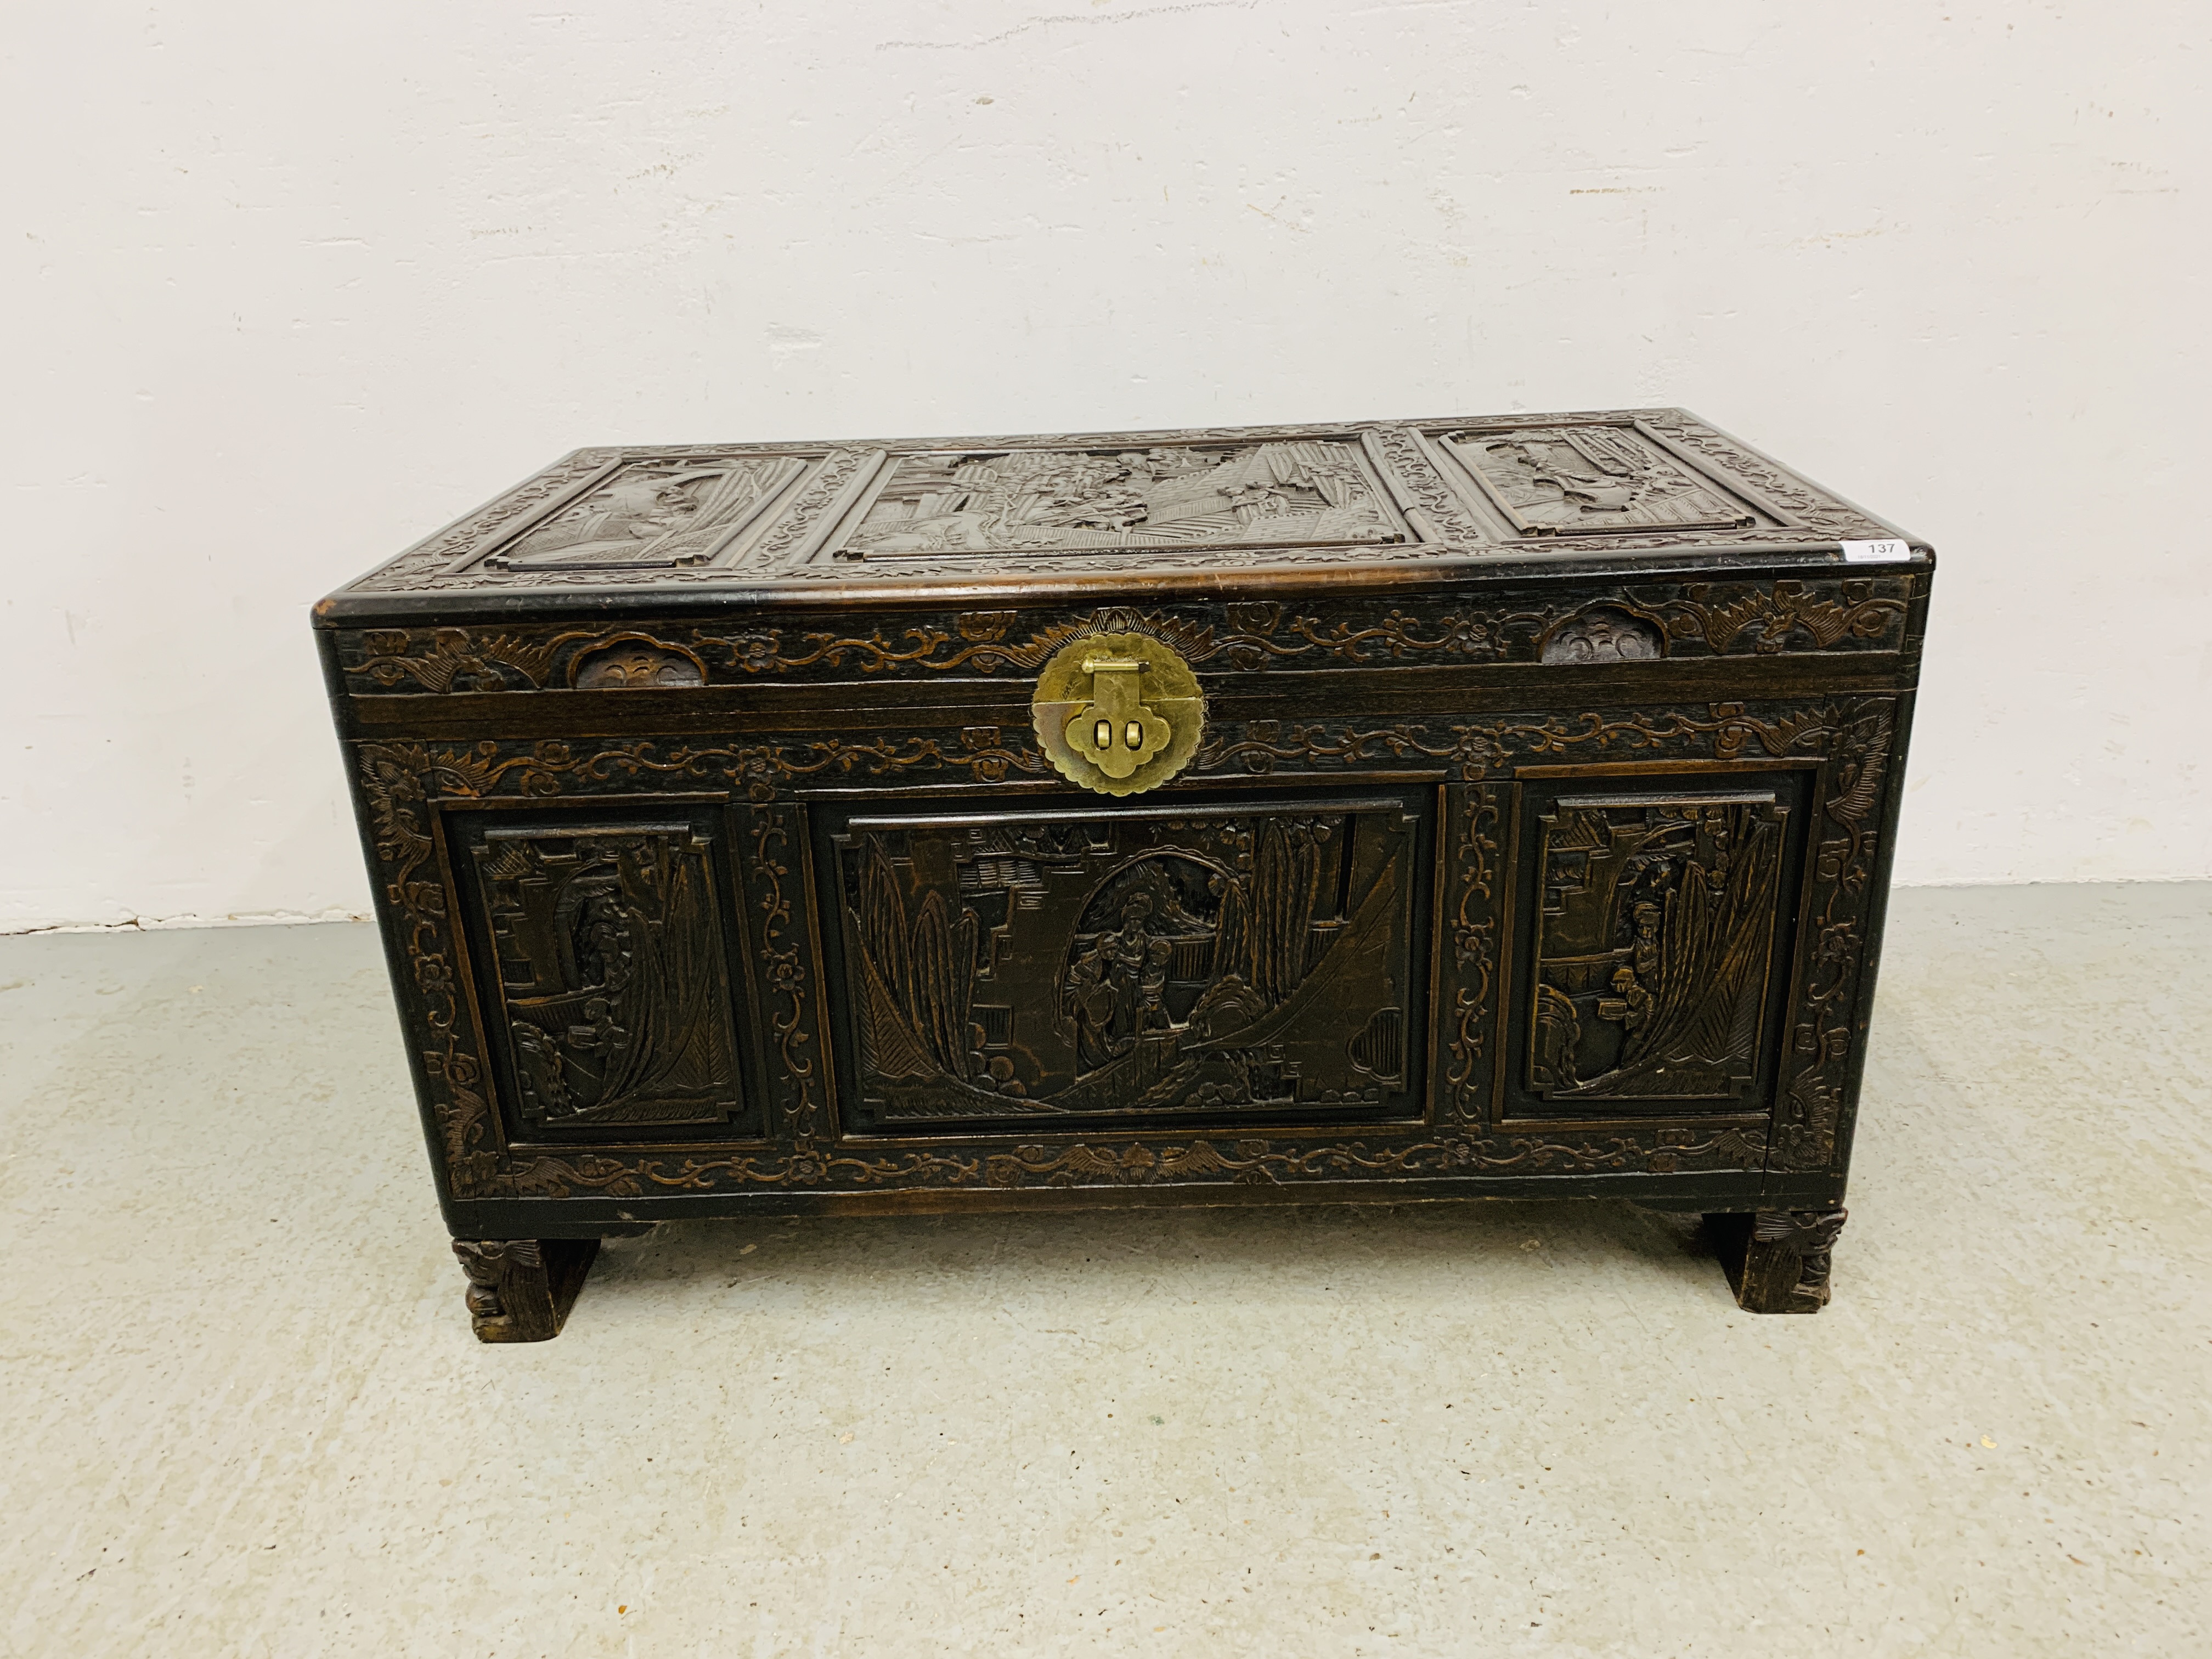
point(1386, 500)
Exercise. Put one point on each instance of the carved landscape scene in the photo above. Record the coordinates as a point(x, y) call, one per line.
point(1594, 479)
point(1654, 939)
point(655, 514)
point(614, 985)
point(1234, 963)
point(1301, 491)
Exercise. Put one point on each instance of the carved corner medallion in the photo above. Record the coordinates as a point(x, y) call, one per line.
point(631, 661)
point(1119, 714)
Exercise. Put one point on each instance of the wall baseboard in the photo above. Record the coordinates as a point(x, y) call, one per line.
point(162, 924)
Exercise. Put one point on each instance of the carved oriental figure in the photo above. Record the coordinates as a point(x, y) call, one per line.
point(609, 950)
point(1236, 961)
point(1307, 491)
point(1652, 955)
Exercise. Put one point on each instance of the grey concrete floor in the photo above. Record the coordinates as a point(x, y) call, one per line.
point(246, 1415)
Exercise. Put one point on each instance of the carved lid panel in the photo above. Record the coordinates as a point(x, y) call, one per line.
point(1313, 492)
point(1597, 478)
point(1453, 492)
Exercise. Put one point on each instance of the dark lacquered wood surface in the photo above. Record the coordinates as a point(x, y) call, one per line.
point(1527, 828)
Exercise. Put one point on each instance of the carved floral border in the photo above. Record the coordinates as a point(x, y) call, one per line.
point(1688, 619)
point(400, 781)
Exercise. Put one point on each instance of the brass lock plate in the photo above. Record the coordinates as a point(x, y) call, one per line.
point(1118, 712)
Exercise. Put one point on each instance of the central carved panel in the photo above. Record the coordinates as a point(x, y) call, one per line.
point(1301, 491)
point(1216, 960)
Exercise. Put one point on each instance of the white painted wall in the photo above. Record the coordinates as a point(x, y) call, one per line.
point(289, 285)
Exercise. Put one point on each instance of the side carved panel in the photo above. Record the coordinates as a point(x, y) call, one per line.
point(1595, 478)
point(1832, 1018)
point(1654, 930)
point(607, 976)
point(1651, 949)
point(654, 514)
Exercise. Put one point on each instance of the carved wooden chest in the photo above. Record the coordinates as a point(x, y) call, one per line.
point(1408, 809)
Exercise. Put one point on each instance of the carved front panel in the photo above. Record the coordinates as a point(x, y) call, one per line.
point(1030, 500)
point(1230, 962)
point(1827, 760)
point(1656, 946)
point(602, 955)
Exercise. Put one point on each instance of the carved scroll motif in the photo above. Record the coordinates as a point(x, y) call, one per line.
point(456, 659)
point(1641, 624)
point(1474, 934)
point(1410, 466)
point(1774, 617)
point(790, 1009)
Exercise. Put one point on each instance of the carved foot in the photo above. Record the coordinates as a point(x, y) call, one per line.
point(1777, 1260)
point(520, 1289)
